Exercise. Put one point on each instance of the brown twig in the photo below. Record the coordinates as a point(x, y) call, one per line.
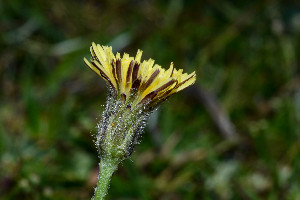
point(219, 117)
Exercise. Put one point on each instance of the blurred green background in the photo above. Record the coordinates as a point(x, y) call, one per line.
point(234, 135)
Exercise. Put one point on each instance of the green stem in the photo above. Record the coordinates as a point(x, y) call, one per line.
point(106, 168)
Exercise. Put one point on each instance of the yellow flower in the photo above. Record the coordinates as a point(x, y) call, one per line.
point(136, 88)
point(134, 81)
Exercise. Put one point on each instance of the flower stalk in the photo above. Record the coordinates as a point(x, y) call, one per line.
point(135, 89)
point(106, 169)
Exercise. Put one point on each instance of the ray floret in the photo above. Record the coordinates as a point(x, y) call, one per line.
point(135, 81)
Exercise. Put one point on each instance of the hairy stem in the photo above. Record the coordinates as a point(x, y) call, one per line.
point(106, 168)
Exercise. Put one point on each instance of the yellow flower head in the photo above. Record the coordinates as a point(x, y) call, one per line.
point(134, 81)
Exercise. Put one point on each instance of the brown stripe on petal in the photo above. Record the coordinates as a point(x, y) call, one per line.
point(123, 96)
point(156, 102)
point(172, 70)
point(129, 71)
point(165, 85)
point(178, 85)
point(136, 84)
point(149, 96)
point(113, 70)
point(104, 76)
point(135, 71)
point(166, 93)
point(95, 65)
point(150, 80)
point(94, 56)
point(118, 70)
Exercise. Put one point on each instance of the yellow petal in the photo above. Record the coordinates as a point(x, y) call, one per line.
point(138, 56)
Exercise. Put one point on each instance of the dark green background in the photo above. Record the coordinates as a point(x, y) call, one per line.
point(245, 54)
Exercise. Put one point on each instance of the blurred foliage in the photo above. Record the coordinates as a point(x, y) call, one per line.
point(246, 53)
